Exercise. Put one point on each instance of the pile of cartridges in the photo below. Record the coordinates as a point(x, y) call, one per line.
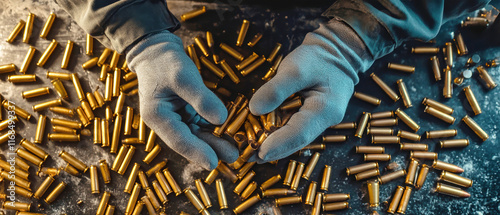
point(247, 130)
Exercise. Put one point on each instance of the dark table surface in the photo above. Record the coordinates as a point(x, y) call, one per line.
point(286, 23)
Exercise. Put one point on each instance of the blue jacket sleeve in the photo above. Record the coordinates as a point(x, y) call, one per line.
point(118, 24)
point(385, 24)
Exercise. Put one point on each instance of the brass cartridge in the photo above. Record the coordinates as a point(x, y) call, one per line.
point(17, 180)
point(110, 210)
point(437, 105)
point(162, 196)
point(114, 61)
point(437, 164)
point(108, 113)
point(34, 149)
point(290, 173)
point(129, 186)
point(5, 137)
point(224, 169)
point(119, 104)
point(455, 179)
point(385, 139)
point(412, 171)
point(99, 99)
point(335, 197)
point(16, 205)
point(383, 122)
point(395, 200)
point(424, 155)
point(91, 63)
point(89, 46)
point(440, 115)
point(314, 146)
point(316, 210)
point(55, 193)
point(29, 156)
point(221, 194)
point(377, 157)
point(194, 200)
point(414, 147)
point(244, 182)
point(373, 192)
point(454, 143)
point(152, 198)
point(273, 69)
point(382, 115)
point(441, 133)
point(104, 72)
point(203, 193)
point(21, 78)
point(472, 100)
point(156, 168)
point(250, 68)
point(35, 92)
point(243, 32)
point(447, 88)
point(212, 67)
point(60, 89)
point(40, 130)
point(436, 69)
point(475, 127)
point(116, 134)
point(104, 56)
point(361, 168)
point(448, 55)
point(22, 192)
point(171, 181)
point(246, 204)
point(424, 50)
point(245, 169)
point(370, 149)
point(28, 28)
point(408, 135)
point(325, 179)
point(384, 179)
point(277, 192)
point(311, 193)
point(367, 98)
point(129, 76)
point(461, 47)
point(116, 82)
point(385, 87)
point(401, 67)
point(47, 53)
point(103, 204)
point(380, 131)
point(5, 123)
point(43, 187)
point(231, 51)
point(149, 206)
point(288, 200)
point(138, 208)
point(152, 155)
point(108, 94)
point(67, 54)
point(7, 68)
point(78, 86)
point(270, 121)
point(256, 38)
point(292, 104)
point(105, 133)
point(407, 120)
point(119, 157)
point(47, 104)
point(335, 206)
point(143, 179)
point(48, 25)
point(421, 176)
point(126, 160)
point(202, 46)
point(274, 52)
point(247, 61)
point(485, 76)
point(311, 165)
point(296, 178)
point(59, 75)
point(87, 110)
point(367, 174)
point(451, 191)
point(19, 172)
point(73, 161)
point(127, 86)
point(97, 135)
point(129, 116)
point(64, 137)
point(72, 170)
point(249, 190)
point(403, 204)
point(28, 58)
point(94, 179)
point(362, 124)
point(106, 176)
point(12, 36)
point(150, 144)
point(194, 13)
point(404, 93)
point(229, 71)
point(270, 182)
point(255, 125)
point(211, 176)
point(237, 122)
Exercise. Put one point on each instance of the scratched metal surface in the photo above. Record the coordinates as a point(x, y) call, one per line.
point(285, 24)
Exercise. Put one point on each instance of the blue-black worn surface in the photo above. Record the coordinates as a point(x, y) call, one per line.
point(287, 23)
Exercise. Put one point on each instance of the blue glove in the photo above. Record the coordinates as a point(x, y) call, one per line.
point(172, 94)
point(323, 69)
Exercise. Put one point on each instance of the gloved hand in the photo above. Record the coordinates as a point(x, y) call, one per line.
point(324, 70)
point(171, 93)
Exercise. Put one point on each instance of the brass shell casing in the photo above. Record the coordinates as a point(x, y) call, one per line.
point(211, 176)
point(436, 69)
point(448, 54)
point(288, 200)
point(132, 177)
point(370, 149)
point(409, 135)
point(361, 168)
point(247, 61)
point(377, 157)
point(246, 204)
point(403, 204)
point(454, 143)
point(362, 124)
point(440, 115)
point(229, 71)
point(243, 32)
point(277, 192)
point(34, 149)
point(270, 182)
point(152, 155)
point(63, 137)
point(485, 76)
point(73, 161)
point(48, 25)
point(116, 134)
point(437, 164)
point(13, 34)
point(150, 144)
point(411, 172)
point(455, 179)
point(274, 52)
point(17, 110)
point(60, 89)
point(156, 168)
point(385, 87)
point(106, 176)
point(163, 183)
point(316, 210)
point(422, 176)
point(221, 194)
point(55, 193)
point(256, 38)
point(385, 139)
point(404, 93)
point(335, 197)
point(407, 120)
point(162, 196)
point(194, 200)
point(72, 170)
point(424, 50)
point(7, 68)
point(424, 155)
point(290, 173)
point(384, 179)
point(21, 78)
point(29, 157)
point(104, 56)
point(472, 100)
point(401, 67)
point(171, 181)
point(311, 193)
point(91, 63)
point(40, 129)
point(35, 92)
point(296, 178)
point(272, 70)
point(28, 29)
point(105, 133)
point(89, 45)
point(244, 182)
point(47, 53)
point(451, 191)
point(126, 160)
point(94, 179)
point(437, 105)
point(475, 127)
point(119, 157)
point(249, 190)
point(212, 67)
point(67, 54)
point(414, 147)
point(254, 65)
point(231, 51)
point(380, 131)
point(367, 98)
point(59, 75)
point(396, 198)
point(373, 192)
point(367, 174)
point(311, 165)
point(43, 187)
point(103, 204)
point(325, 179)
point(47, 104)
point(335, 206)
point(383, 122)
point(441, 133)
point(194, 13)
point(448, 86)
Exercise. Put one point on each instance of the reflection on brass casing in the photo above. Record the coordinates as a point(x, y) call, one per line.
point(17, 180)
point(344, 125)
point(22, 192)
point(447, 87)
point(335, 197)
point(163, 183)
point(73, 161)
point(290, 173)
point(194, 13)
point(7, 68)
point(245, 169)
point(59, 75)
point(203, 193)
point(94, 179)
point(288, 200)
point(48, 25)
point(89, 46)
point(108, 93)
point(362, 124)
point(247, 61)
point(459, 42)
point(404, 93)
point(229, 71)
point(246, 204)
point(367, 174)
point(156, 168)
point(237, 122)
point(243, 32)
point(455, 179)
point(472, 100)
point(104, 72)
point(116, 134)
point(485, 76)
point(373, 192)
point(384, 179)
point(311, 165)
point(316, 210)
point(119, 157)
point(403, 204)
point(383, 122)
point(149, 206)
point(126, 161)
point(407, 120)
point(438, 114)
point(64, 137)
point(43, 187)
point(18, 111)
point(250, 68)
point(414, 147)
point(325, 179)
point(382, 115)
point(421, 176)
point(35, 92)
point(78, 87)
point(119, 104)
point(436, 69)
point(395, 200)
point(13, 34)
point(194, 56)
point(424, 50)
point(106, 176)
point(171, 181)
point(370, 149)
point(34, 149)
point(335, 206)
point(40, 130)
point(81, 115)
point(105, 133)
point(97, 135)
point(16, 205)
point(221, 194)
point(408, 135)
point(55, 193)
point(361, 168)
point(104, 56)
point(152, 198)
point(67, 54)
point(451, 191)
point(129, 116)
point(194, 200)
point(255, 40)
point(60, 89)
point(28, 28)
point(117, 76)
point(401, 67)
point(114, 60)
point(377, 157)
point(385, 87)
point(270, 182)
point(385, 139)
point(103, 204)
point(441, 133)
point(143, 179)
point(47, 53)
point(437, 105)
point(47, 104)
point(87, 109)
point(72, 170)
point(212, 67)
point(152, 154)
point(162, 196)
point(90, 64)
point(448, 55)
point(211, 176)
point(367, 98)
point(231, 51)
point(411, 172)
point(132, 177)
point(311, 193)
point(475, 127)
point(249, 190)
point(437, 164)
point(454, 143)
point(274, 52)
point(244, 183)
point(29, 156)
point(296, 178)
point(150, 144)
point(424, 155)
point(21, 78)
point(27, 59)
point(277, 192)
point(203, 47)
